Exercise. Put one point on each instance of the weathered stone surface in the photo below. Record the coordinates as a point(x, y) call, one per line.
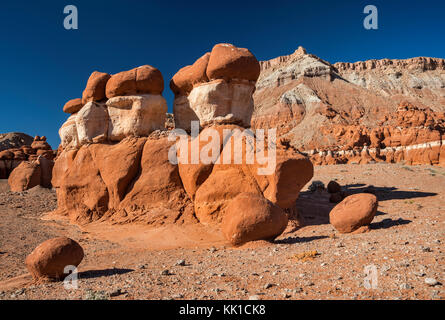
point(250, 217)
point(157, 195)
point(224, 184)
point(25, 176)
point(216, 102)
point(68, 133)
point(141, 80)
point(95, 88)
point(14, 140)
point(81, 193)
point(118, 165)
point(333, 112)
point(186, 78)
point(46, 169)
point(229, 62)
point(354, 212)
point(135, 115)
point(92, 122)
point(73, 106)
point(49, 259)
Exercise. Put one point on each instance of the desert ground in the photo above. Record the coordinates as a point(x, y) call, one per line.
point(405, 245)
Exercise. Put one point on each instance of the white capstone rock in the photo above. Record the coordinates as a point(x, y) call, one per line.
point(68, 132)
point(136, 115)
point(92, 122)
point(215, 102)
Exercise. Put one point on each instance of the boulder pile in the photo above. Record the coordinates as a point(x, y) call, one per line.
point(115, 159)
point(28, 166)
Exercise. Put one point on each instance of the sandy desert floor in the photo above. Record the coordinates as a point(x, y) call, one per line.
point(405, 245)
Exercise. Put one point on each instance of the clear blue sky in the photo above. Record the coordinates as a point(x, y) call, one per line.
point(43, 65)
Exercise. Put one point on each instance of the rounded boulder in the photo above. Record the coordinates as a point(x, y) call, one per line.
point(50, 258)
point(229, 62)
point(354, 212)
point(142, 80)
point(251, 217)
point(72, 106)
point(95, 88)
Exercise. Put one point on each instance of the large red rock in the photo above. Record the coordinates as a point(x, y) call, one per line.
point(354, 213)
point(292, 172)
point(49, 259)
point(95, 88)
point(142, 80)
point(184, 80)
point(250, 217)
point(229, 62)
point(27, 175)
point(81, 193)
point(156, 196)
point(194, 174)
point(224, 184)
point(118, 165)
point(46, 169)
point(73, 106)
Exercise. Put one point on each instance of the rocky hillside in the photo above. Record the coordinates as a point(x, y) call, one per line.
point(377, 110)
point(12, 140)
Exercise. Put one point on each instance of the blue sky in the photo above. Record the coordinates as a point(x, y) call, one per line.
point(43, 65)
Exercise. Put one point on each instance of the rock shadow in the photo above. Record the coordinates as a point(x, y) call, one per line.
point(386, 193)
point(388, 223)
point(294, 240)
point(102, 273)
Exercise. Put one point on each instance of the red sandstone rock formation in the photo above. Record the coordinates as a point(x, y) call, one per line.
point(28, 166)
point(114, 165)
point(216, 89)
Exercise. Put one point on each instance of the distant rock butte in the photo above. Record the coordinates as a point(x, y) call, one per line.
point(376, 110)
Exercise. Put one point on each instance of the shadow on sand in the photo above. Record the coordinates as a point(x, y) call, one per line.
point(294, 240)
point(388, 223)
point(102, 273)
